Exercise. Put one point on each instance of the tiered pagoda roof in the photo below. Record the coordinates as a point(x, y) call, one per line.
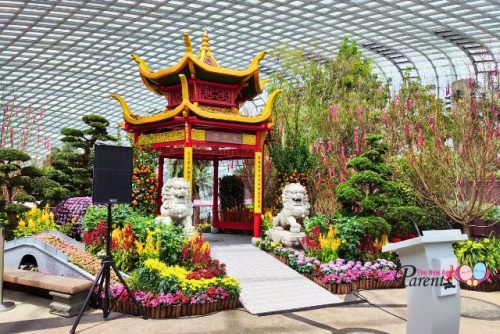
point(198, 85)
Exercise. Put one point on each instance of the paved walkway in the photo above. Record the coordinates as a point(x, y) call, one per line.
point(268, 286)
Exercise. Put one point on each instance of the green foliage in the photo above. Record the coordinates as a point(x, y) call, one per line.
point(22, 183)
point(352, 230)
point(150, 280)
point(13, 155)
point(486, 251)
point(493, 215)
point(317, 220)
point(72, 165)
point(121, 214)
point(382, 204)
point(172, 239)
point(291, 155)
point(232, 192)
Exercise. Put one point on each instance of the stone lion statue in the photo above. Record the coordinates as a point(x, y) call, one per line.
point(177, 206)
point(295, 208)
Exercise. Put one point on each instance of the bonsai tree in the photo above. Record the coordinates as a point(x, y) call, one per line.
point(379, 202)
point(21, 183)
point(73, 165)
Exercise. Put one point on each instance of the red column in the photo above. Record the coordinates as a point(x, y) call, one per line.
point(215, 192)
point(160, 183)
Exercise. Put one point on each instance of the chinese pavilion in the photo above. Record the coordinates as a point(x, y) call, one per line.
point(202, 119)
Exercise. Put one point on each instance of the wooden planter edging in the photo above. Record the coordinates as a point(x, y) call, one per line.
point(175, 311)
point(484, 286)
point(345, 288)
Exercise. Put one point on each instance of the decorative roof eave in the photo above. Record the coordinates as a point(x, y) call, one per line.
point(262, 117)
point(189, 59)
point(133, 119)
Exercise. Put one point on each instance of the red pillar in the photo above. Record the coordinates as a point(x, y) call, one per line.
point(215, 192)
point(160, 183)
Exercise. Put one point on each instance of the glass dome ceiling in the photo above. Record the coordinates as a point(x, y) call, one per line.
point(66, 56)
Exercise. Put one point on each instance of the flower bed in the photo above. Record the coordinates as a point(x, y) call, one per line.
point(77, 256)
point(172, 305)
point(339, 276)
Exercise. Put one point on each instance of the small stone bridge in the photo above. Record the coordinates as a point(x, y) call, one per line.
point(49, 260)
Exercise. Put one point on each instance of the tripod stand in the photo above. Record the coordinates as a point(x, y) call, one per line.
point(102, 280)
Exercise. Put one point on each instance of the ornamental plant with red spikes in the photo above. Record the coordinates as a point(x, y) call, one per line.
point(95, 239)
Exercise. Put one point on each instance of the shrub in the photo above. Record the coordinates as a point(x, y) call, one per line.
point(486, 251)
point(70, 211)
point(232, 192)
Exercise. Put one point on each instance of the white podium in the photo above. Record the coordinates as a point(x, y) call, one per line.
point(433, 308)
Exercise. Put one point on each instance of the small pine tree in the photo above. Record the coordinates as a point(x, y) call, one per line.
point(380, 203)
point(72, 165)
point(21, 183)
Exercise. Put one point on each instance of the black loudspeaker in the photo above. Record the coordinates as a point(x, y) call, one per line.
point(112, 174)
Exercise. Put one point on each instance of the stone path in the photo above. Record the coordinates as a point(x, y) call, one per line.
point(268, 286)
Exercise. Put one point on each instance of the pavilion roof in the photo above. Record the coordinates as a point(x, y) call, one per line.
point(204, 66)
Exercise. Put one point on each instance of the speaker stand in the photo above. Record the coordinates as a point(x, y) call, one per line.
point(102, 281)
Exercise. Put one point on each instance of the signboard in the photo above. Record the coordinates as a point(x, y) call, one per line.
point(445, 268)
point(257, 205)
point(188, 166)
point(224, 137)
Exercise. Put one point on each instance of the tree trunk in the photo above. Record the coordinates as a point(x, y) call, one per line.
point(467, 230)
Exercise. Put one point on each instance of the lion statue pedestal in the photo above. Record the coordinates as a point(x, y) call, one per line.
point(176, 205)
point(287, 225)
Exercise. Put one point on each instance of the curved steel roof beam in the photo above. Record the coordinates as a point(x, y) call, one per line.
point(406, 11)
point(462, 4)
point(271, 15)
point(391, 38)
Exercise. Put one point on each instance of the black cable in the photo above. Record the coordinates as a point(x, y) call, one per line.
point(357, 294)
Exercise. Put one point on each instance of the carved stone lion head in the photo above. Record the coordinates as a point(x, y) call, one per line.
point(176, 198)
point(295, 200)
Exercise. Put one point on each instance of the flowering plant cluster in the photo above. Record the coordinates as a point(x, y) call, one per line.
point(34, 221)
point(156, 276)
point(196, 255)
point(302, 263)
point(77, 256)
point(95, 239)
point(71, 211)
point(123, 245)
point(340, 271)
point(177, 297)
point(150, 249)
